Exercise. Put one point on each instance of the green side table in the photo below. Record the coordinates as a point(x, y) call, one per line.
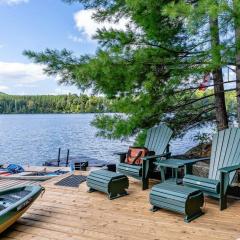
point(176, 164)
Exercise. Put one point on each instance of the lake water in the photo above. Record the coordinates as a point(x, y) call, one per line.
point(34, 138)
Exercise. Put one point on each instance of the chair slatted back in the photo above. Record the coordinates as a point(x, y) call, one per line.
point(158, 138)
point(225, 152)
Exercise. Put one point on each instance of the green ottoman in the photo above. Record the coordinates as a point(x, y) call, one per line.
point(177, 198)
point(112, 183)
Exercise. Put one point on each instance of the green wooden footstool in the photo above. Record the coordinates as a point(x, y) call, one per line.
point(112, 183)
point(177, 198)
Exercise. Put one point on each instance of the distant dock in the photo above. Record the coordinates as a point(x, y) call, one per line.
point(66, 161)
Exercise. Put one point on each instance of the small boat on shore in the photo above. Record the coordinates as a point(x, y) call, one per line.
point(14, 202)
point(34, 176)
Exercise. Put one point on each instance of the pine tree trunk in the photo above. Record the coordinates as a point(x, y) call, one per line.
point(238, 76)
point(237, 42)
point(221, 112)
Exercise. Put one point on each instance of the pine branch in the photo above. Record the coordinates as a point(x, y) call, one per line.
point(197, 116)
point(200, 99)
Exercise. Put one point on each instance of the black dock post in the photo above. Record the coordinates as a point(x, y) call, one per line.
point(67, 158)
point(59, 156)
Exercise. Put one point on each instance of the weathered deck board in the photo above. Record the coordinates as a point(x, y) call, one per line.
point(7, 183)
point(73, 214)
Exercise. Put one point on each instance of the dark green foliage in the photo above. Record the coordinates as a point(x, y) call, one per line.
point(136, 67)
point(140, 139)
point(53, 104)
point(151, 69)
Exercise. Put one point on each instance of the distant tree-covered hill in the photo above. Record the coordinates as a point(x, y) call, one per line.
point(53, 104)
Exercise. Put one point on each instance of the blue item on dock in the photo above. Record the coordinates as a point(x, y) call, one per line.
point(14, 168)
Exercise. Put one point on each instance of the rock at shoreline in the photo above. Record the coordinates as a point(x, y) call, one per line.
point(200, 151)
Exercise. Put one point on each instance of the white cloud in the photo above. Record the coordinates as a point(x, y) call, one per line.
point(88, 26)
point(21, 73)
point(28, 75)
point(13, 2)
point(29, 78)
point(3, 88)
point(75, 38)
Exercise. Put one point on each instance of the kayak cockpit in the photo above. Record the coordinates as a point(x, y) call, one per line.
point(8, 199)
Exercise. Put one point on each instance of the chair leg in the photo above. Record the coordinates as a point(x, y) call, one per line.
point(90, 190)
point(224, 180)
point(154, 209)
point(145, 183)
point(223, 202)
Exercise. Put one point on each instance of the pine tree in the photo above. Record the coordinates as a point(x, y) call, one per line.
point(153, 68)
point(221, 111)
point(202, 17)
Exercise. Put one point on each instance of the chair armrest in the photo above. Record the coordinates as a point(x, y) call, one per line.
point(229, 169)
point(224, 181)
point(190, 160)
point(198, 159)
point(122, 156)
point(155, 156)
point(120, 153)
point(188, 168)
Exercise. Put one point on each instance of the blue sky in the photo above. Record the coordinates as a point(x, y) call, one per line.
point(36, 25)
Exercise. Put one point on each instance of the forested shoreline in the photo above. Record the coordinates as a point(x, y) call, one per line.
point(71, 103)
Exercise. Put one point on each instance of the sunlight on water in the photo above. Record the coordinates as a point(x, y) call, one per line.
point(33, 139)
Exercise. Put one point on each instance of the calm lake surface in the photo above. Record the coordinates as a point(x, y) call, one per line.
point(34, 138)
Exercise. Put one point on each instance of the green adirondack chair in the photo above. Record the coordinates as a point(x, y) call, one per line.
point(157, 141)
point(224, 161)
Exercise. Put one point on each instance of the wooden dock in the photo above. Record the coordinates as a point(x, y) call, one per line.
point(65, 213)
